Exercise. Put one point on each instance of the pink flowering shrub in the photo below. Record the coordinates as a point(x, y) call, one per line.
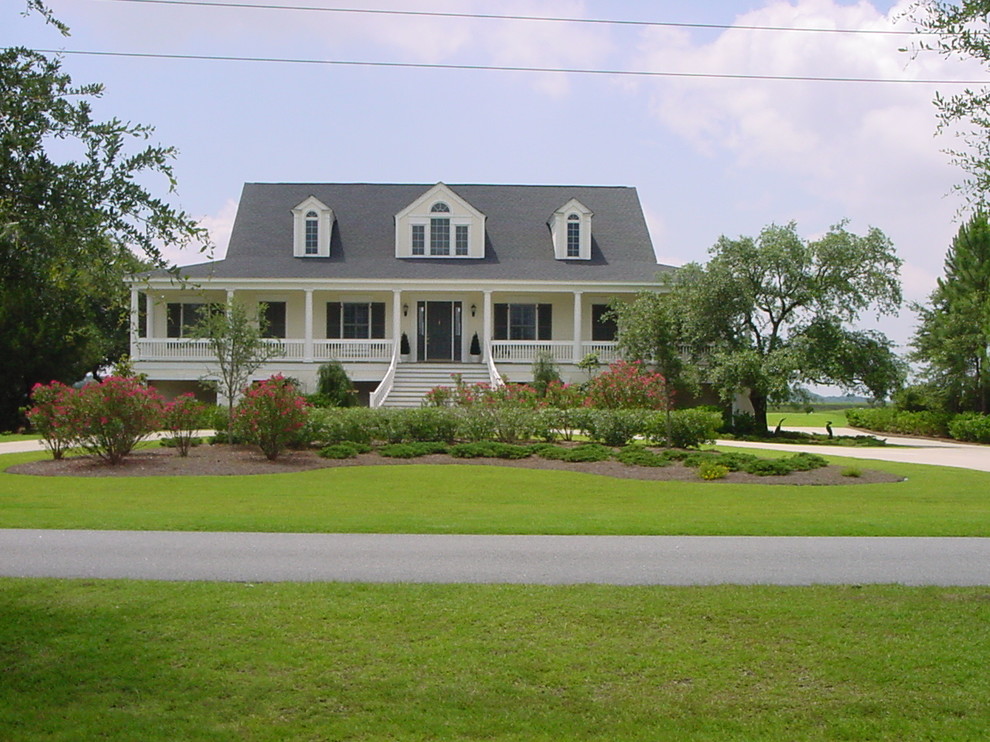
point(114, 416)
point(628, 386)
point(270, 415)
point(52, 416)
point(181, 418)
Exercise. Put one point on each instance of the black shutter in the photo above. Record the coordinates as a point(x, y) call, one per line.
point(333, 319)
point(378, 319)
point(275, 319)
point(544, 320)
point(501, 317)
point(602, 328)
point(174, 324)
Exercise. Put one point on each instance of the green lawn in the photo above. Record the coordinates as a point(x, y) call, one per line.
point(124, 660)
point(485, 499)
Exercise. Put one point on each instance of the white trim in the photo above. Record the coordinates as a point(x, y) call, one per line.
point(419, 213)
point(558, 230)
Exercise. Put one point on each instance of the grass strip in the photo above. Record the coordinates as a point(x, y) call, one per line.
point(934, 501)
point(119, 660)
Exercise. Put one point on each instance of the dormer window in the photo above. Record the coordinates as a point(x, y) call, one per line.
point(440, 224)
point(574, 236)
point(312, 233)
point(313, 225)
point(570, 231)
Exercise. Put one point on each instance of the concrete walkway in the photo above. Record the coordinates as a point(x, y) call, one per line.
point(908, 450)
point(544, 560)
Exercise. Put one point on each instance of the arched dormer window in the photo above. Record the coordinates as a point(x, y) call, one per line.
point(570, 231)
point(440, 224)
point(312, 233)
point(574, 236)
point(312, 227)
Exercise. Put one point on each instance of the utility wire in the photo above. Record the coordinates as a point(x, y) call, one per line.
point(511, 68)
point(547, 19)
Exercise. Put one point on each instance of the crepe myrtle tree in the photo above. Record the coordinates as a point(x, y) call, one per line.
point(768, 314)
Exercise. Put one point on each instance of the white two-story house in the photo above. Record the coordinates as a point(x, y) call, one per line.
point(344, 270)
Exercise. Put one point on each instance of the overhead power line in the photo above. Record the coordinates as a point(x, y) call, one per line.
point(506, 17)
point(512, 68)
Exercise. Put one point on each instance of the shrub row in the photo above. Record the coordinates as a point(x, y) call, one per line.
point(968, 426)
point(508, 424)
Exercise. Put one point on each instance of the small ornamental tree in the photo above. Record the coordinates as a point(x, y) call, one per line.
point(181, 418)
point(626, 386)
point(114, 416)
point(270, 415)
point(52, 416)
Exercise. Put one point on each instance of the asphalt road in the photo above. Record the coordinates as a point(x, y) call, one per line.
point(550, 560)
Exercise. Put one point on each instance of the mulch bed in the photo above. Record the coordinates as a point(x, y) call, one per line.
point(221, 460)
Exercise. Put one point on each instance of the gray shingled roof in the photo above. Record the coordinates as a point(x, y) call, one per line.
point(518, 243)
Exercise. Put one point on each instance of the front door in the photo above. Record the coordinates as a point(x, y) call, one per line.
point(439, 331)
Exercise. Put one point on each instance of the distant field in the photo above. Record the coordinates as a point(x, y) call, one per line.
point(817, 419)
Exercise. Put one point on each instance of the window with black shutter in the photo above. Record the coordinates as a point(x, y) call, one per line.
point(356, 320)
point(523, 321)
point(274, 319)
point(603, 327)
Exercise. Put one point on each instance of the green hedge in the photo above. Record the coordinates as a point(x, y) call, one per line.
point(969, 426)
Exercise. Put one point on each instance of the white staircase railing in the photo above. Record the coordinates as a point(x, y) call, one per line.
point(382, 390)
point(494, 377)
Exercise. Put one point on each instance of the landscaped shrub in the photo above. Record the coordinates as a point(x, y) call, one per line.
point(852, 471)
point(491, 450)
point(628, 385)
point(474, 425)
point(271, 415)
point(429, 424)
point(615, 427)
point(412, 450)
point(735, 461)
point(711, 470)
point(691, 428)
point(970, 426)
point(344, 450)
point(181, 418)
point(640, 456)
point(805, 462)
point(114, 416)
point(509, 423)
point(52, 416)
point(586, 452)
point(545, 372)
point(335, 425)
point(333, 387)
point(697, 458)
point(768, 467)
point(890, 420)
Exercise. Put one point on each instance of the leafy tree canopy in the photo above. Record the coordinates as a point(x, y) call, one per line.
point(71, 225)
point(952, 341)
point(767, 314)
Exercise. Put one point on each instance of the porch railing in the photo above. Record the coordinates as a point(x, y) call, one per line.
point(561, 351)
point(189, 349)
point(377, 397)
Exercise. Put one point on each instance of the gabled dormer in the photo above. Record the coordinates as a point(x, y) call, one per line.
point(440, 224)
point(312, 226)
point(570, 230)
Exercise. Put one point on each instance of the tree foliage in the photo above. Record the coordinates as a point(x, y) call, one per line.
point(237, 340)
point(952, 341)
point(770, 313)
point(75, 218)
point(962, 29)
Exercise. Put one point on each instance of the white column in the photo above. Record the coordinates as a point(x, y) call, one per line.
point(135, 331)
point(396, 315)
point(577, 327)
point(308, 330)
point(230, 297)
point(486, 326)
point(149, 315)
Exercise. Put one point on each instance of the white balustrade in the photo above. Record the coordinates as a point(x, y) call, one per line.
point(525, 351)
point(605, 350)
point(189, 349)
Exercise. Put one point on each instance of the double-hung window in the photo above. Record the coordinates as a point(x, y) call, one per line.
point(274, 319)
point(182, 317)
point(355, 320)
point(440, 229)
point(523, 321)
point(574, 236)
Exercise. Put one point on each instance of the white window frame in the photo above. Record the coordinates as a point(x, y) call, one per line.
point(559, 222)
point(324, 228)
point(460, 215)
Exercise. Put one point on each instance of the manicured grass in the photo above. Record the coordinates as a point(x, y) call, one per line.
point(935, 501)
point(807, 419)
point(12, 437)
point(195, 661)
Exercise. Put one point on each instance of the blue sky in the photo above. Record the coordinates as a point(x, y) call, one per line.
point(709, 156)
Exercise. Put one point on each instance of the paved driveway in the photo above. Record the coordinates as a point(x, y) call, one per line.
point(549, 560)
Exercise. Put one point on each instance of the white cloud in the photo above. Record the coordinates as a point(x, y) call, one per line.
point(219, 225)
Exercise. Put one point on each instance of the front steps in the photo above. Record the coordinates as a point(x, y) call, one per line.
point(413, 380)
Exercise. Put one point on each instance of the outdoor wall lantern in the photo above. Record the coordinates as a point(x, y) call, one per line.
point(474, 309)
point(405, 310)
